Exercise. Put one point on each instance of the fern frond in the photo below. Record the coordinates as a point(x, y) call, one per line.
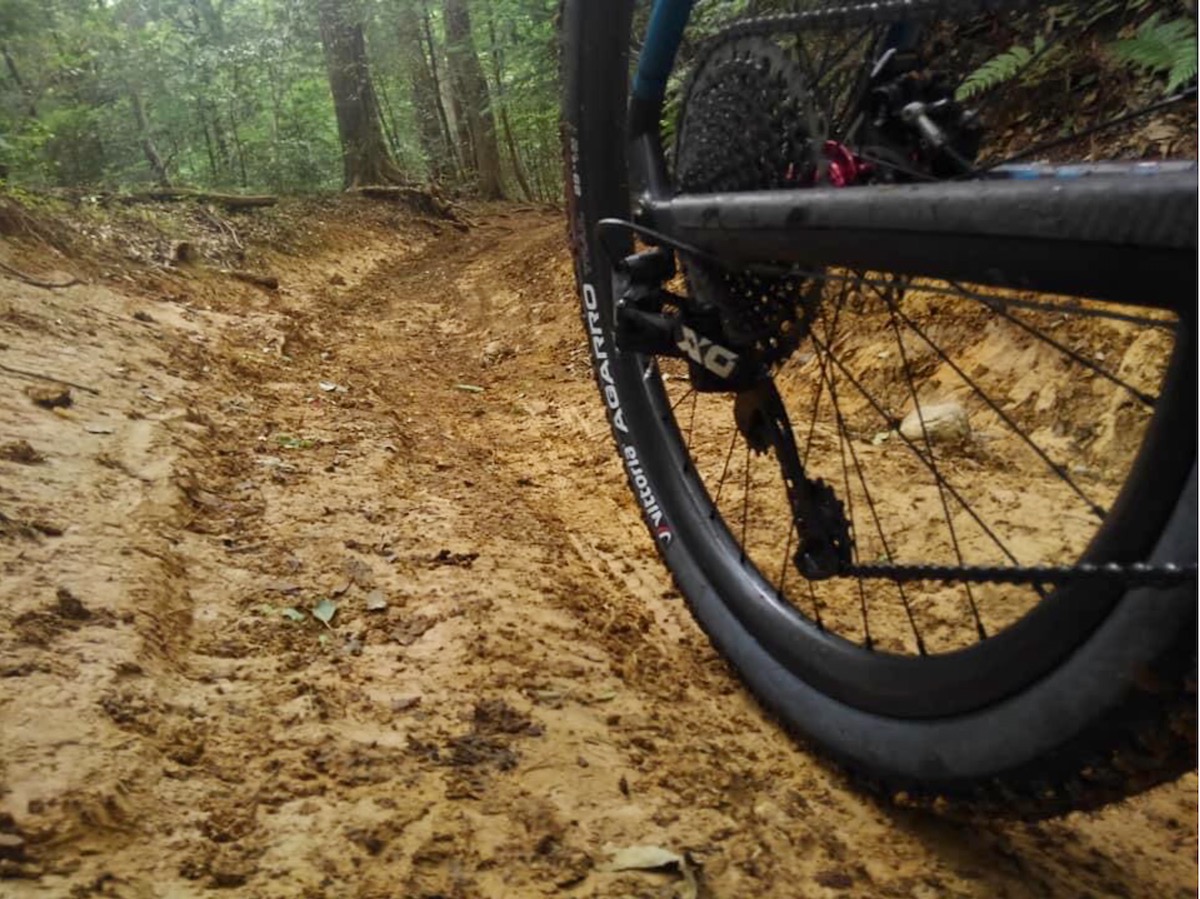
point(995, 71)
point(1162, 47)
point(1182, 72)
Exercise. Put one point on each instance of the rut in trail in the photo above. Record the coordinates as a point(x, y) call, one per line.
point(508, 687)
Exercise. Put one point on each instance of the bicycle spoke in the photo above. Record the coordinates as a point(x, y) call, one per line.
point(724, 472)
point(687, 441)
point(828, 376)
point(745, 502)
point(1065, 350)
point(967, 507)
point(1056, 468)
point(691, 391)
point(998, 305)
point(891, 303)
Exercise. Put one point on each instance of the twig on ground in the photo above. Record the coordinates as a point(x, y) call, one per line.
point(270, 282)
point(53, 380)
point(29, 279)
point(224, 226)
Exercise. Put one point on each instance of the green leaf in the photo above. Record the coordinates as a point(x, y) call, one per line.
point(289, 442)
point(1162, 47)
point(996, 71)
point(324, 611)
point(292, 614)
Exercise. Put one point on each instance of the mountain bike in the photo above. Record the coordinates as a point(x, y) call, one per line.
point(892, 307)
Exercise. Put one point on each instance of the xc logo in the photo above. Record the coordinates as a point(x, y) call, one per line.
point(720, 361)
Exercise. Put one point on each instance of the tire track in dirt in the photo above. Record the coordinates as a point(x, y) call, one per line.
point(533, 692)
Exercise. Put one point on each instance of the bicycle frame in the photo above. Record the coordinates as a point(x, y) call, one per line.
point(1012, 229)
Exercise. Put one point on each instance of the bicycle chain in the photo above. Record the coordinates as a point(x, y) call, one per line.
point(882, 12)
point(1137, 574)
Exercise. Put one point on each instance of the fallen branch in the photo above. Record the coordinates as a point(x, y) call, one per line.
point(40, 377)
point(29, 279)
point(224, 226)
point(423, 201)
point(229, 201)
point(270, 282)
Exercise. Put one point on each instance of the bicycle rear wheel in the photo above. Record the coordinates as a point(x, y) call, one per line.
point(1043, 430)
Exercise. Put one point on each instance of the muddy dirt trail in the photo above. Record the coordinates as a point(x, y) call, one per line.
point(405, 442)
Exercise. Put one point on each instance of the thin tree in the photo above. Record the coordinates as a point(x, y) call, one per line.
point(365, 155)
point(149, 149)
point(459, 160)
point(422, 83)
point(15, 74)
point(497, 54)
point(471, 86)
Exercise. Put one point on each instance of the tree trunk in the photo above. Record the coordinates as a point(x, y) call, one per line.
point(424, 90)
point(467, 74)
point(447, 135)
point(148, 148)
point(387, 118)
point(15, 73)
point(365, 156)
point(208, 144)
point(498, 76)
point(212, 19)
point(462, 134)
point(214, 118)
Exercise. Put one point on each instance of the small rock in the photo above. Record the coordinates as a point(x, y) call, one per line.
point(358, 572)
point(460, 560)
point(371, 842)
point(12, 847)
point(404, 703)
point(337, 280)
point(225, 876)
point(69, 606)
point(944, 423)
point(494, 351)
point(834, 880)
point(10, 870)
point(185, 253)
point(51, 397)
point(230, 867)
point(20, 451)
point(376, 601)
point(143, 316)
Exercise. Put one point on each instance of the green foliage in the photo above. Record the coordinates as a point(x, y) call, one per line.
point(1067, 31)
point(1001, 68)
point(235, 93)
point(1162, 47)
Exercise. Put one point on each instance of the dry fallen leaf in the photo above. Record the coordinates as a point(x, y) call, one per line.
point(654, 858)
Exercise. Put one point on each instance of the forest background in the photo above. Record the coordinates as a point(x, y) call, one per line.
point(287, 96)
point(305, 96)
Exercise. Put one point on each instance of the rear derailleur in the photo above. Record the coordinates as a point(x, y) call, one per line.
point(656, 322)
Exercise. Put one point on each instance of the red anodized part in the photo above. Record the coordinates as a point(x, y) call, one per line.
point(844, 167)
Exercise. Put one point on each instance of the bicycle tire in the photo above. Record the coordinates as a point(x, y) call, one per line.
point(1112, 717)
